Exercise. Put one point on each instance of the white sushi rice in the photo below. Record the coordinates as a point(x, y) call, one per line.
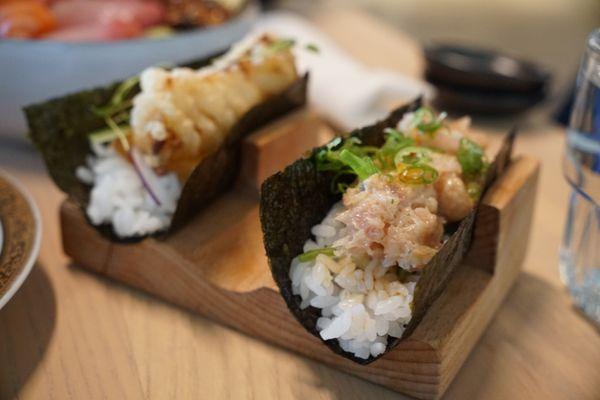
point(361, 305)
point(118, 196)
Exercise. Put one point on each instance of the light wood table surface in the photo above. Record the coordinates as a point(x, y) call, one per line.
point(68, 334)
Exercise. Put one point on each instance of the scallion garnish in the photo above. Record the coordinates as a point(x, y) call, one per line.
point(418, 174)
point(119, 100)
point(474, 189)
point(363, 167)
point(328, 159)
point(426, 121)
point(118, 132)
point(349, 159)
point(281, 44)
point(103, 136)
point(116, 114)
point(394, 142)
point(312, 254)
point(471, 157)
point(312, 47)
point(413, 155)
point(340, 187)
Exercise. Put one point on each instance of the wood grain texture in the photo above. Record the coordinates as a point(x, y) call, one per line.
point(66, 328)
point(216, 267)
point(286, 139)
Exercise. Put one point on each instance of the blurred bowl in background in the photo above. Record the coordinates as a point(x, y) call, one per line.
point(36, 70)
point(483, 69)
point(484, 102)
point(476, 81)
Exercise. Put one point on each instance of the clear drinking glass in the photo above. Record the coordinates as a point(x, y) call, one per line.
point(580, 252)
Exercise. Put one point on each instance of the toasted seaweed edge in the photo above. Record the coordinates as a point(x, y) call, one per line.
point(218, 171)
point(297, 198)
point(59, 129)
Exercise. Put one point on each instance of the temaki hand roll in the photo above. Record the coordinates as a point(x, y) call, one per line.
point(363, 235)
point(144, 155)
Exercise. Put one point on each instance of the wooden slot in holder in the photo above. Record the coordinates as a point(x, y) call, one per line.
point(216, 267)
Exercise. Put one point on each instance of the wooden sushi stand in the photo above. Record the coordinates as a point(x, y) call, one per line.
point(216, 266)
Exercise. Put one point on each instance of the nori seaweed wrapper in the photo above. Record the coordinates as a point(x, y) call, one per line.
point(299, 197)
point(60, 128)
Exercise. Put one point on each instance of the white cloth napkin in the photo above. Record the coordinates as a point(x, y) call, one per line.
point(345, 91)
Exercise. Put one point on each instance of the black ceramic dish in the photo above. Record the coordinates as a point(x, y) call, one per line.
point(486, 102)
point(470, 68)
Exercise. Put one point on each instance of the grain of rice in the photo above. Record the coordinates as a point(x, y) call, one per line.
point(118, 196)
point(360, 305)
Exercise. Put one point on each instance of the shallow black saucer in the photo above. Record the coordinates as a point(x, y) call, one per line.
point(473, 68)
point(485, 101)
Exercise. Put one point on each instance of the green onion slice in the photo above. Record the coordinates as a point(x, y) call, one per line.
point(103, 136)
point(471, 157)
point(474, 190)
point(312, 254)
point(362, 166)
point(118, 132)
point(312, 47)
point(281, 44)
point(118, 101)
point(394, 142)
point(412, 155)
point(391, 132)
point(427, 121)
point(418, 174)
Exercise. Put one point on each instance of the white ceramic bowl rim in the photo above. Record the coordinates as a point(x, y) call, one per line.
point(35, 248)
point(35, 71)
point(249, 8)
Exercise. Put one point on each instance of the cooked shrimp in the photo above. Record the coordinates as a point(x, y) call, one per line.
point(453, 199)
point(445, 163)
point(446, 138)
point(183, 115)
